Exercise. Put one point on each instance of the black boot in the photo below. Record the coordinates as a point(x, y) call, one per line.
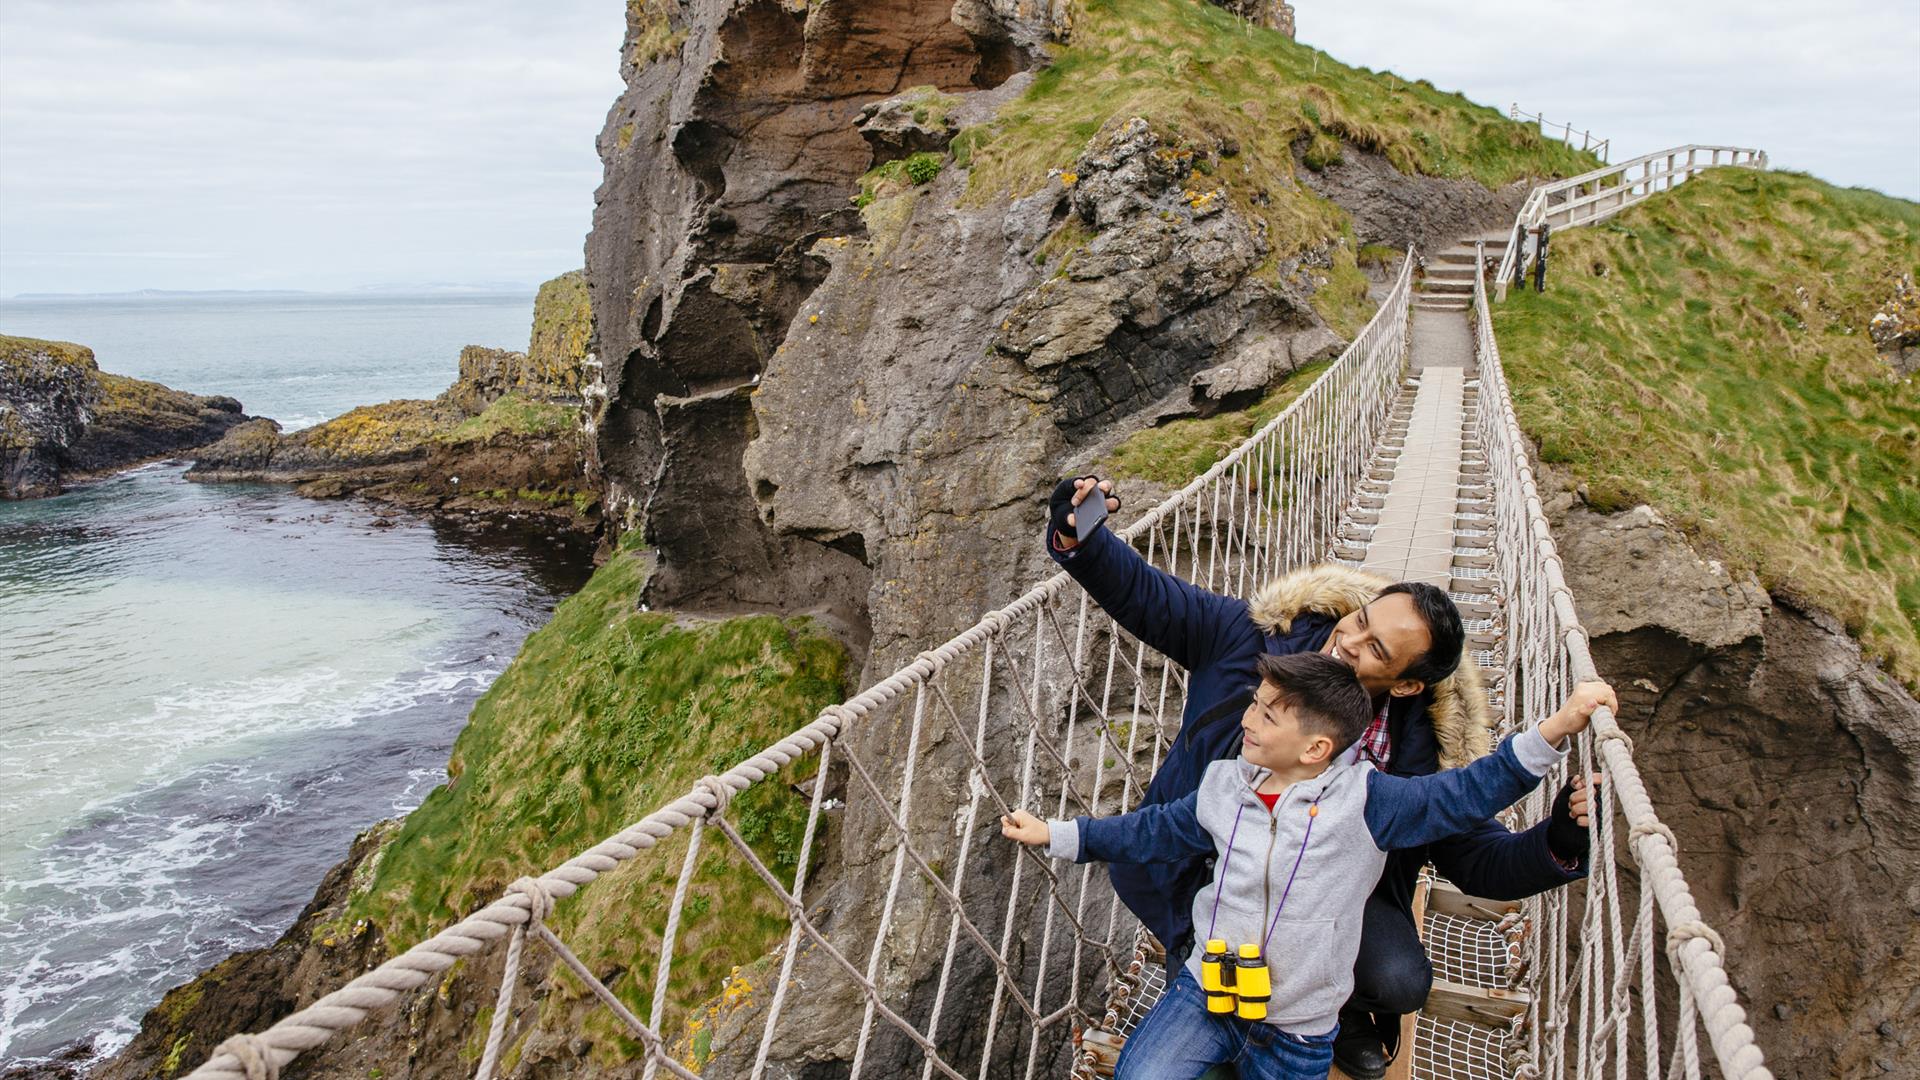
point(1358, 1050)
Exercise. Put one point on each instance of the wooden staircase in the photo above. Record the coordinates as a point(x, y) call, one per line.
point(1446, 280)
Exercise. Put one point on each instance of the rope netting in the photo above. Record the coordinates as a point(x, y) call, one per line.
point(959, 954)
point(1597, 992)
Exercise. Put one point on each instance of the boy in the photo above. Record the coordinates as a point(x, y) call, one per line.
point(1285, 904)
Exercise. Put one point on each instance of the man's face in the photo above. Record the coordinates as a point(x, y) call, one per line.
point(1270, 733)
point(1379, 641)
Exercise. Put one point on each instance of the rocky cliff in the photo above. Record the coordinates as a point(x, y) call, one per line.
point(61, 416)
point(1788, 766)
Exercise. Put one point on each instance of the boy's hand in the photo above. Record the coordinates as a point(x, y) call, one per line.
point(1577, 713)
point(1025, 828)
point(1067, 495)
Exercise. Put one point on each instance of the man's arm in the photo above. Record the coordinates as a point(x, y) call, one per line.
point(1488, 860)
point(1158, 832)
point(1187, 623)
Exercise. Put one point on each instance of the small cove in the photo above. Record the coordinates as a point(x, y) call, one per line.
point(206, 690)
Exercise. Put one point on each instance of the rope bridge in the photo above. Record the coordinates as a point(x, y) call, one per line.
point(969, 956)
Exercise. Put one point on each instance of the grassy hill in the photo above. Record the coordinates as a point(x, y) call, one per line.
point(1707, 352)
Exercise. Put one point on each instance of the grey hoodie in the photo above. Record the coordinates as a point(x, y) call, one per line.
point(1263, 858)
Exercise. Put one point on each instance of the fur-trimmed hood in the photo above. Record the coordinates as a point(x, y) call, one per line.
point(1461, 721)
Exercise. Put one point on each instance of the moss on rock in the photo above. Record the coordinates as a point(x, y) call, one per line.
point(562, 328)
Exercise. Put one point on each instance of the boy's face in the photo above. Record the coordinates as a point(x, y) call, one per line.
point(1271, 737)
point(1379, 641)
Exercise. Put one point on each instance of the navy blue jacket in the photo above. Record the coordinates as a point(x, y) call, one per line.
point(1216, 640)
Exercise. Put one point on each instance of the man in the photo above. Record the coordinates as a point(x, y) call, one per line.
point(1404, 642)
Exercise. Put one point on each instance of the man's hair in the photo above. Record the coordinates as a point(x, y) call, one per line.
point(1323, 692)
point(1443, 627)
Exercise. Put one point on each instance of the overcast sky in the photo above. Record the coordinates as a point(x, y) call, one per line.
point(195, 144)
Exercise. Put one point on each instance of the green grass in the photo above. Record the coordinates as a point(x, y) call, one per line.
point(897, 175)
point(1707, 353)
point(516, 415)
point(1238, 100)
point(607, 714)
point(1176, 452)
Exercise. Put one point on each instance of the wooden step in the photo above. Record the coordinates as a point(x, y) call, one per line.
point(1486, 1006)
point(1446, 898)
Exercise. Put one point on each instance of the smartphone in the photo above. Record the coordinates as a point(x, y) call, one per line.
point(1089, 514)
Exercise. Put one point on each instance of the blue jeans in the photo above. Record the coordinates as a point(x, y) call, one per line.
point(1179, 1040)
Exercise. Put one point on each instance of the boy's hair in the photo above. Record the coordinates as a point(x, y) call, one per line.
point(1323, 692)
point(1443, 628)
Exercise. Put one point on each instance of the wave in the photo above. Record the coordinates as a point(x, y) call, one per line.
point(150, 886)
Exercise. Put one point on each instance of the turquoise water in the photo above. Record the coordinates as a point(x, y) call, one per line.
point(207, 690)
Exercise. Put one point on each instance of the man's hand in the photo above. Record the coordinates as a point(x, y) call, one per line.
point(1567, 835)
point(1025, 828)
point(1067, 495)
point(1577, 713)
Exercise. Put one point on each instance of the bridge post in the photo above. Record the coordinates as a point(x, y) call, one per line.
point(1540, 261)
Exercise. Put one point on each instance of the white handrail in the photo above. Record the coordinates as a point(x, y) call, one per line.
point(1602, 193)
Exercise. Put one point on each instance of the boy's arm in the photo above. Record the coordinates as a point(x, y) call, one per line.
point(1190, 625)
point(1408, 811)
point(1158, 832)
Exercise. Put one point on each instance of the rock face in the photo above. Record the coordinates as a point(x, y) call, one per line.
point(1790, 770)
point(60, 415)
point(1896, 328)
point(734, 148)
point(1395, 209)
point(1272, 14)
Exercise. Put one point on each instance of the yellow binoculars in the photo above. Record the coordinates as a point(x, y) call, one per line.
point(1241, 985)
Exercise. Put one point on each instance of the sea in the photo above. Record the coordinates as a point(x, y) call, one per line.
point(206, 690)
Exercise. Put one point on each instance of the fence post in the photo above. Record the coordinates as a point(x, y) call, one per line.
point(1540, 261)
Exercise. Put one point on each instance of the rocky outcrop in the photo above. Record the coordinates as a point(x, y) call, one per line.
point(1788, 766)
point(736, 147)
point(61, 416)
point(1896, 328)
point(505, 438)
point(517, 457)
point(1398, 209)
point(1272, 14)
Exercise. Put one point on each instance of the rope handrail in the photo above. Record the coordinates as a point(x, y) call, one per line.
point(1546, 620)
point(1604, 192)
point(1325, 460)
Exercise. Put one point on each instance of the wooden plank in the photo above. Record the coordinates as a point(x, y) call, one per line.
point(1474, 1005)
point(1449, 900)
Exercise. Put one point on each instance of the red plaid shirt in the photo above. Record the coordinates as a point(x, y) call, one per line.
point(1375, 744)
